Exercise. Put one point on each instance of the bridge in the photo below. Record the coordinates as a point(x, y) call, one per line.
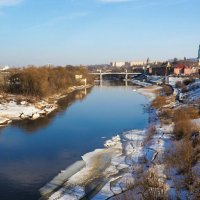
point(100, 74)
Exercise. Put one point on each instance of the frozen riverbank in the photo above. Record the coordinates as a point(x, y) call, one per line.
point(103, 167)
point(109, 172)
point(17, 107)
point(128, 169)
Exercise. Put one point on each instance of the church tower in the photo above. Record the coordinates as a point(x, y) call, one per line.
point(199, 53)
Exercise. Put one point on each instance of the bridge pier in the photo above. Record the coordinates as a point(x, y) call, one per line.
point(126, 75)
point(100, 76)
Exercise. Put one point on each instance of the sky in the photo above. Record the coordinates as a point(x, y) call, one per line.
point(62, 32)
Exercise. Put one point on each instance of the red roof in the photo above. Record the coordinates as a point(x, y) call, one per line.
point(181, 66)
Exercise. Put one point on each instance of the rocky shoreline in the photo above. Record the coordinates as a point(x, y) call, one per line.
point(17, 107)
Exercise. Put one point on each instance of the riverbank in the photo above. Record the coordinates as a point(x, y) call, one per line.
point(138, 168)
point(103, 167)
point(18, 107)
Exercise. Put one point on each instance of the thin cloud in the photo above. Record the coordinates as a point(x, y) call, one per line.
point(52, 22)
point(4, 3)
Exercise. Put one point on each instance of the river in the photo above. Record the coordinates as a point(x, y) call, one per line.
point(33, 152)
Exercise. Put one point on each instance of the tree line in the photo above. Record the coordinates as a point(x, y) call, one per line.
point(43, 81)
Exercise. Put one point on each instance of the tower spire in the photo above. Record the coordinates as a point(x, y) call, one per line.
point(199, 53)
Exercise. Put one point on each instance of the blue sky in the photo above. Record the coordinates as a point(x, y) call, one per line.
point(77, 32)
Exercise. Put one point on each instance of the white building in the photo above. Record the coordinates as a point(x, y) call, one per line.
point(136, 63)
point(5, 68)
point(131, 63)
point(118, 64)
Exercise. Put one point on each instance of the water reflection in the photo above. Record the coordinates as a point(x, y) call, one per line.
point(102, 83)
point(31, 126)
point(81, 124)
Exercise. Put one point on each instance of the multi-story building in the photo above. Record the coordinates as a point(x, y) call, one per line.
point(118, 64)
point(137, 63)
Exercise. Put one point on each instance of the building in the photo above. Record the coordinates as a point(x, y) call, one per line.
point(179, 69)
point(137, 63)
point(185, 70)
point(118, 64)
point(5, 68)
point(78, 77)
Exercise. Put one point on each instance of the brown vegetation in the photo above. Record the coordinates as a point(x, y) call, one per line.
point(183, 127)
point(149, 187)
point(153, 187)
point(180, 156)
point(182, 85)
point(44, 81)
point(188, 81)
point(159, 102)
point(166, 115)
point(167, 90)
point(184, 153)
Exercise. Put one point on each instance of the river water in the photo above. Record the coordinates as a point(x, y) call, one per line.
point(33, 152)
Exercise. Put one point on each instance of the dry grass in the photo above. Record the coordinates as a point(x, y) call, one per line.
point(167, 90)
point(148, 187)
point(180, 156)
point(183, 126)
point(153, 187)
point(193, 112)
point(166, 116)
point(159, 102)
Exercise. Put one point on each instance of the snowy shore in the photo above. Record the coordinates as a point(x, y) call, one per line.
point(120, 170)
point(15, 107)
point(107, 170)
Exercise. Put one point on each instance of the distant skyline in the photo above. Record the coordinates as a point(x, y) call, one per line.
point(61, 32)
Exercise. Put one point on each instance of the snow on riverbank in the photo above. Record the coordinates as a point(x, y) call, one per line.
point(99, 166)
point(16, 107)
point(108, 172)
point(17, 111)
point(193, 93)
point(150, 92)
point(125, 162)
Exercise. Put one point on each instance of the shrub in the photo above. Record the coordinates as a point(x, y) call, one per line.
point(182, 123)
point(184, 89)
point(188, 81)
point(149, 187)
point(180, 156)
point(193, 112)
point(166, 116)
point(153, 187)
point(182, 128)
point(159, 102)
point(167, 90)
point(179, 84)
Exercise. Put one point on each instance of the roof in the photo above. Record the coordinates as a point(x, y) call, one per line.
point(181, 66)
